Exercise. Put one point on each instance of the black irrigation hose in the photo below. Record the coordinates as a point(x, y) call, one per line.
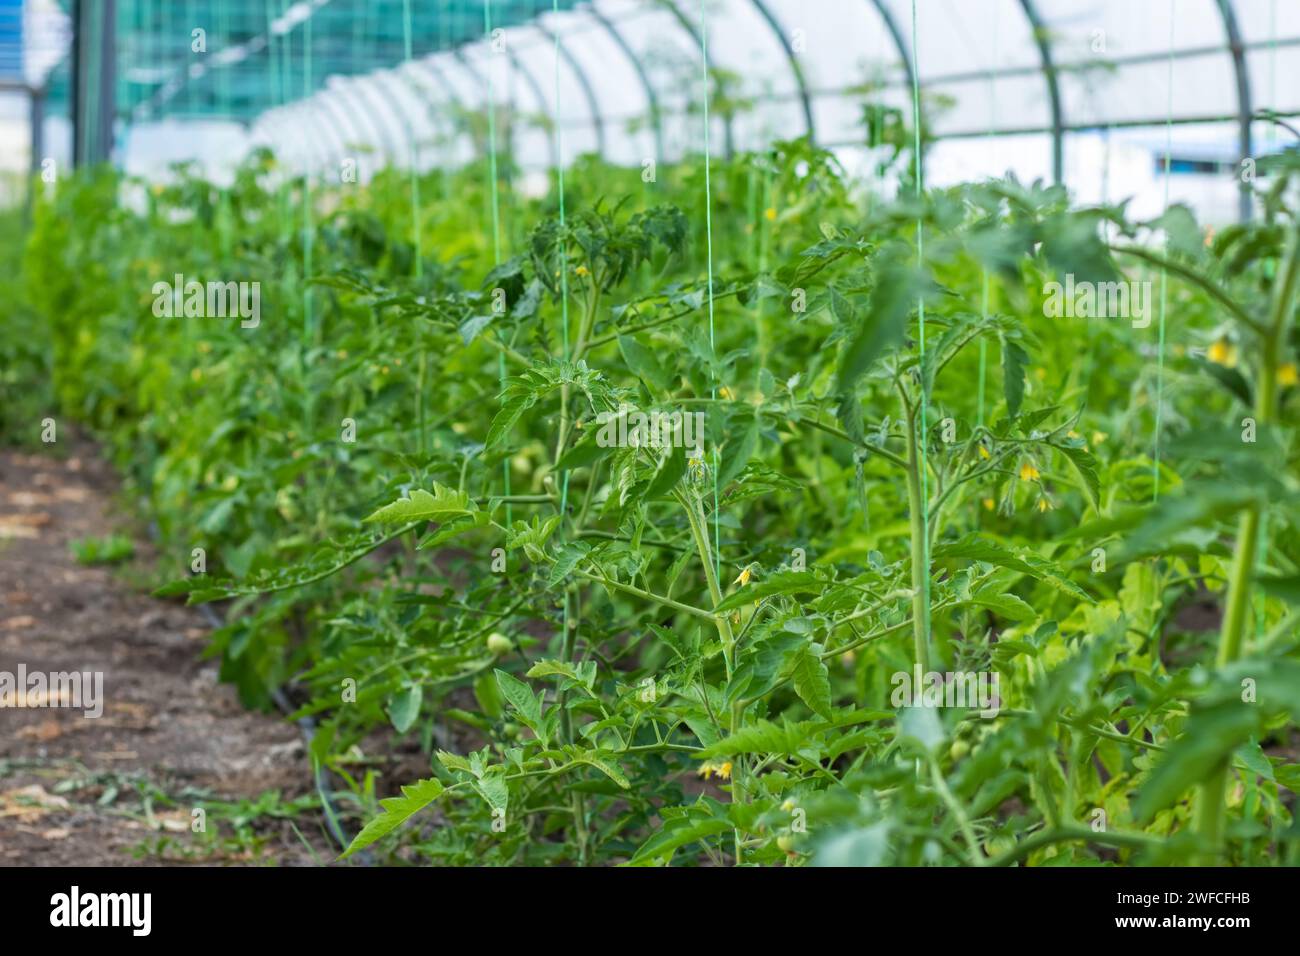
point(320, 777)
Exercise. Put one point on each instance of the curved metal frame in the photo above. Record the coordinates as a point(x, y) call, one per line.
point(904, 55)
point(329, 124)
point(652, 97)
point(353, 133)
point(536, 89)
point(350, 99)
point(597, 120)
point(418, 77)
point(428, 65)
point(366, 88)
point(391, 82)
point(1244, 107)
point(1044, 44)
point(795, 68)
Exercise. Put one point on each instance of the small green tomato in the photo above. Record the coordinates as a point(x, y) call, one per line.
point(498, 644)
point(785, 842)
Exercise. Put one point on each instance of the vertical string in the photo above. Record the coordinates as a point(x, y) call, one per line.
point(564, 283)
point(920, 309)
point(309, 318)
point(418, 265)
point(708, 241)
point(984, 284)
point(223, 92)
point(496, 225)
point(1164, 273)
point(1262, 551)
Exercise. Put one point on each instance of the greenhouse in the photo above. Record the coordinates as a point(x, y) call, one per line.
point(680, 433)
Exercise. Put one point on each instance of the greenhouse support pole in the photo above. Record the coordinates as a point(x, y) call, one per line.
point(1244, 108)
point(36, 116)
point(92, 146)
point(1044, 42)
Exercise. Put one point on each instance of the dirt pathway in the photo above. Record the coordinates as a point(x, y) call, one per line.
point(121, 788)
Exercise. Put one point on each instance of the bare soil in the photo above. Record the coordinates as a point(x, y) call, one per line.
point(120, 789)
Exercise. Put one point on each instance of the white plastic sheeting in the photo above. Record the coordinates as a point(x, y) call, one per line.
point(1042, 75)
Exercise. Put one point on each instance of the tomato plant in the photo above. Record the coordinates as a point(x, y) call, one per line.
point(921, 592)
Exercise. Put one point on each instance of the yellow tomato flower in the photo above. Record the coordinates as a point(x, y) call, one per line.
point(984, 452)
point(1044, 504)
point(1098, 437)
point(1028, 472)
point(1223, 352)
point(1286, 375)
point(724, 770)
point(988, 504)
point(745, 575)
point(726, 393)
point(583, 271)
point(770, 213)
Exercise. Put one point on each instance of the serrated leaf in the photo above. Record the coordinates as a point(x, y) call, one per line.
point(567, 557)
point(404, 708)
point(737, 452)
point(978, 548)
point(783, 582)
point(594, 759)
point(493, 789)
point(397, 810)
point(1208, 740)
point(880, 325)
point(670, 471)
point(1085, 466)
point(443, 504)
point(1014, 360)
point(643, 363)
point(521, 697)
point(812, 681)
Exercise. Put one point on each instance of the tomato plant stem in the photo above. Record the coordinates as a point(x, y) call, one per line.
point(1211, 802)
point(920, 549)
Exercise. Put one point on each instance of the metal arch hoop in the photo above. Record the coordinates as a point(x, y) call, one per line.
point(797, 70)
point(598, 121)
point(652, 98)
point(365, 86)
point(1244, 106)
point(1044, 44)
point(412, 75)
point(357, 109)
point(895, 34)
point(536, 89)
point(351, 129)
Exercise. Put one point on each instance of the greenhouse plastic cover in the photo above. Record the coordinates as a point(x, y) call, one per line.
point(395, 80)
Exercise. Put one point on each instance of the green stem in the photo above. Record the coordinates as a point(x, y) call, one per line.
point(1211, 800)
point(920, 547)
